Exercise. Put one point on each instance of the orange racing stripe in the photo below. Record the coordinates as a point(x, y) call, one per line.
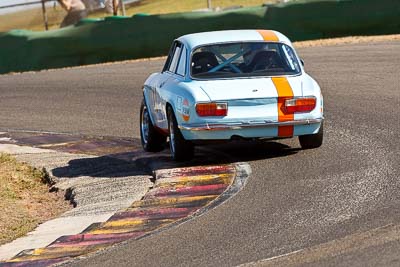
point(283, 88)
point(268, 35)
point(284, 92)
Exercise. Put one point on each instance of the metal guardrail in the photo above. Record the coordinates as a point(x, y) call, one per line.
point(44, 12)
point(43, 2)
point(39, 2)
point(25, 4)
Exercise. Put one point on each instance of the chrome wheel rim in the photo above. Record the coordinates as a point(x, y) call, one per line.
point(144, 126)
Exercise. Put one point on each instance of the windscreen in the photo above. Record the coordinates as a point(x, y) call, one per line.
point(243, 60)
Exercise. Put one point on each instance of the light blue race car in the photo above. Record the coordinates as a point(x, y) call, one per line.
point(225, 85)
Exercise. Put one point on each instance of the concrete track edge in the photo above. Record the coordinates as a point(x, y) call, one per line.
point(239, 172)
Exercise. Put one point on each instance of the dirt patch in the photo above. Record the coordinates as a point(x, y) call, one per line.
point(25, 200)
point(348, 40)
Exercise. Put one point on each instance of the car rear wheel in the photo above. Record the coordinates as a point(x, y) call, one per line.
point(152, 140)
point(312, 140)
point(181, 149)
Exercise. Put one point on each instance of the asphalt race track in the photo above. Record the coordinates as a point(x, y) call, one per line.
point(336, 205)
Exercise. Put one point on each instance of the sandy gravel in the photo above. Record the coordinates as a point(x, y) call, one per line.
point(348, 40)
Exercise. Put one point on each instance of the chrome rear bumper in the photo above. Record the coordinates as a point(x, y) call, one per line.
point(245, 125)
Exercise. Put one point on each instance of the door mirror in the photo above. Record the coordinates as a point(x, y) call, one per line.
point(302, 62)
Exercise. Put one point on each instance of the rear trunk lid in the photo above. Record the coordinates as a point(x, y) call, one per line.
point(252, 99)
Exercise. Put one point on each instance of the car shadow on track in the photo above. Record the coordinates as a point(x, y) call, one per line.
point(242, 151)
point(235, 151)
point(100, 167)
point(139, 162)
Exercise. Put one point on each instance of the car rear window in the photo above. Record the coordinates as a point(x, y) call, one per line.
point(248, 59)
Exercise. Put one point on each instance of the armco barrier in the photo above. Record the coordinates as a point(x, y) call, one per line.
point(113, 39)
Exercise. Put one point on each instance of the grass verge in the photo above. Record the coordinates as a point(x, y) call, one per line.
point(25, 200)
point(173, 6)
point(313, 43)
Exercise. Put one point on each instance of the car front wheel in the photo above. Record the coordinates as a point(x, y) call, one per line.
point(152, 140)
point(312, 140)
point(181, 149)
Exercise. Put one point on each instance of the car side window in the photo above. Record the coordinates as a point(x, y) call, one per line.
point(290, 58)
point(168, 62)
point(182, 63)
point(175, 58)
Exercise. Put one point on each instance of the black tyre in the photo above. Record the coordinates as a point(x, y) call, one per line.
point(181, 149)
point(152, 140)
point(312, 140)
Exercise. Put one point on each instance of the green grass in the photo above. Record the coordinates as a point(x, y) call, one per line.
point(33, 20)
point(25, 200)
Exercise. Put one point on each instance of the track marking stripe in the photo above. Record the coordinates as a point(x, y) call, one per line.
point(153, 214)
point(173, 201)
point(195, 180)
point(316, 255)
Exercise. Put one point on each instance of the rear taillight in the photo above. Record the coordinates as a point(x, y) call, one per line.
point(211, 109)
point(301, 104)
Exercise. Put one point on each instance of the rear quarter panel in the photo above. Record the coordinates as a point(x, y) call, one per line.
point(182, 96)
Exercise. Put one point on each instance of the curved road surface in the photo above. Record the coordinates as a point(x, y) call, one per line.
point(341, 202)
